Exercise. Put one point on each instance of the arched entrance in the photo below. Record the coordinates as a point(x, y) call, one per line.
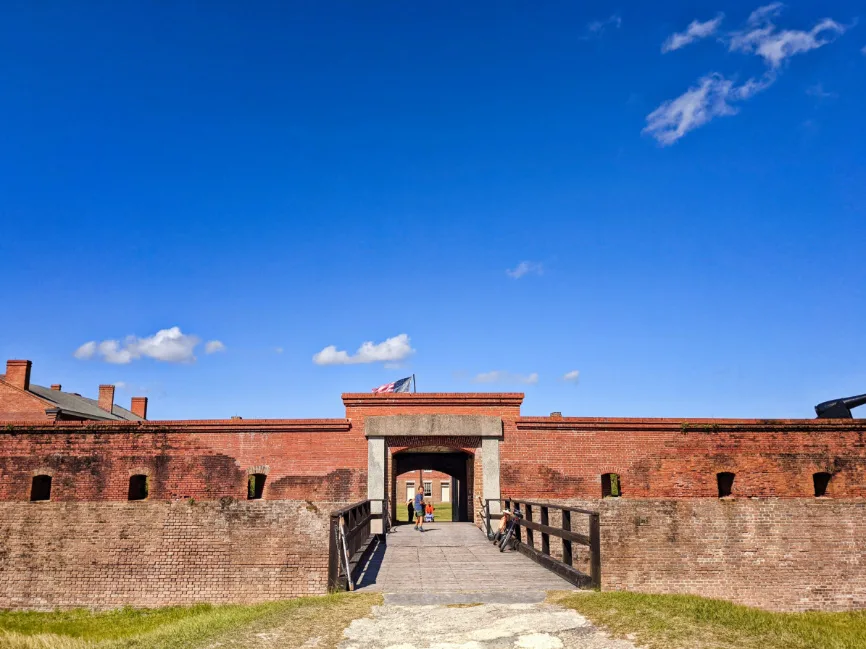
point(456, 463)
point(391, 438)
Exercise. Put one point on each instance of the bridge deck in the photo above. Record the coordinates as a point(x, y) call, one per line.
point(451, 558)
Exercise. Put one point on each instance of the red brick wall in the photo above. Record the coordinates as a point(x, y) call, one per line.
point(418, 477)
point(684, 540)
point(315, 460)
point(778, 554)
point(19, 405)
point(110, 554)
point(565, 458)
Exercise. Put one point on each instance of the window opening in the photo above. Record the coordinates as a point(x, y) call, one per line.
point(255, 486)
point(726, 483)
point(137, 487)
point(40, 489)
point(821, 482)
point(428, 488)
point(610, 485)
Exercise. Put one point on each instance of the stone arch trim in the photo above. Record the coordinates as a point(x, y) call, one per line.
point(387, 434)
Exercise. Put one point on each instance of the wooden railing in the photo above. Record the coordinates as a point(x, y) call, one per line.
point(350, 541)
point(563, 567)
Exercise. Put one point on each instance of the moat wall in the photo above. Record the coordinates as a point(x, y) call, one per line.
point(111, 554)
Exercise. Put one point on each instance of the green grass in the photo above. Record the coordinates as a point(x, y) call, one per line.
point(442, 513)
point(688, 622)
point(293, 622)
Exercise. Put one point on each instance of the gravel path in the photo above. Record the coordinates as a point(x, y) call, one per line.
point(400, 624)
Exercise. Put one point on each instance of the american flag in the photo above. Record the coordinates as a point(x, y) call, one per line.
point(397, 386)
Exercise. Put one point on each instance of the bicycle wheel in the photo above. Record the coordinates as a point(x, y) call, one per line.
point(506, 538)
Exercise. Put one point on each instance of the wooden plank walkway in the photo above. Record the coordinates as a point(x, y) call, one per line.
point(451, 558)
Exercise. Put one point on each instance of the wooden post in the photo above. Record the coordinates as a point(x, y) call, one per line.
point(595, 550)
point(333, 558)
point(530, 537)
point(566, 545)
point(545, 538)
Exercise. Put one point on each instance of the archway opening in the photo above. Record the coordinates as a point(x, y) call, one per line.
point(442, 474)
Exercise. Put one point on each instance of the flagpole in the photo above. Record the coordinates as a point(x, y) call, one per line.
point(414, 385)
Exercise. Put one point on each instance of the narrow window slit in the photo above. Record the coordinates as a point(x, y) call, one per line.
point(255, 486)
point(725, 480)
point(821, 481)
point(611, 487)
point(40, 489)
point(138, 487)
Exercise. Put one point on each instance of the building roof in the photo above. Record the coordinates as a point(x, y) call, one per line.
point(74, 404)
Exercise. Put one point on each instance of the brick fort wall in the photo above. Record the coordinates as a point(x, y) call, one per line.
point(196, 537)
point(159, 553)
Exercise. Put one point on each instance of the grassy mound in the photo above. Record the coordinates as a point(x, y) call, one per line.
point(287, 624)
point(688, 622)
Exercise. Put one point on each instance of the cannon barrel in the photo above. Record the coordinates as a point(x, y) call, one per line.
point(839, 408)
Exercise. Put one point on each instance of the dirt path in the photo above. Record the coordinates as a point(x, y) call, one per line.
point(402, 623)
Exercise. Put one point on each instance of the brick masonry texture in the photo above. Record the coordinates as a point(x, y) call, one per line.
point(779, 554)
point(772, 545)
point(784, 555)
point(110, 554)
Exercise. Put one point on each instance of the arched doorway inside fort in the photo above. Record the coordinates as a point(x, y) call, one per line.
point(456, 463)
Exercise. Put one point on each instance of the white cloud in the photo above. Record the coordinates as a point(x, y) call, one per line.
point(598, 27)
point(213, 346)
point(818, 91)
point(695, 31)
point(121, 385)
point(571, 377)
point(167, 345)
point(498, 376)
point(87, 350)
point(391, 350)
point(714, 96)
point(525, 268)
point(863, 51)
point(278, 350)
point(699, 104)
point(761, 36)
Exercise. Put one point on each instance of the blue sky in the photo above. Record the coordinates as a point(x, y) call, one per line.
point(669, 201)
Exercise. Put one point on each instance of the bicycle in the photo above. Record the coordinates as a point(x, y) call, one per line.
point(510, 535)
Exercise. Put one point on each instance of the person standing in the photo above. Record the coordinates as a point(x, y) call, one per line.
point(418, 504)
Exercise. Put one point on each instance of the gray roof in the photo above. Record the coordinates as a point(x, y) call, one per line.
point(75, 404)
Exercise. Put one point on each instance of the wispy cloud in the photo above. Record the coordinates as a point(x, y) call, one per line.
point(498, 376)
point(525, 268)
point(712, 97)
point(166, 345)
point(818, 91)
point(597, 28)
point(694, 32)
point(717, 96)
point(278, 350)
point(391, 350)
point(214, 346)
point(571, 377)
point(761, 36)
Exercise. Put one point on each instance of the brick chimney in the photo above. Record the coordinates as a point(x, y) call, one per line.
point(56, 386)
point(139, 406)
point(18, 373)
point(106, 397)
